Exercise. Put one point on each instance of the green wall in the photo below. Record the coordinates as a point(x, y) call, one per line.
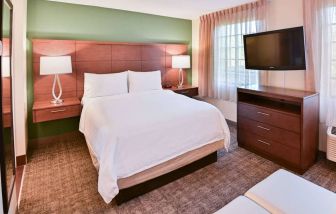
point(54, 20)
point(5, 20)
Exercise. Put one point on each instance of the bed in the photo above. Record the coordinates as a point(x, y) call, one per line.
point(167, 121)
point(137, 137)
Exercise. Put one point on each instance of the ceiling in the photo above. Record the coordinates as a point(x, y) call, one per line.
point(185, 9)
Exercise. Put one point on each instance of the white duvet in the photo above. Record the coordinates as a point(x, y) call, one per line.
point(133, 132)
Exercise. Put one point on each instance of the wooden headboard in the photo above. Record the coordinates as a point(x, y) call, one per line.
point(102, 57)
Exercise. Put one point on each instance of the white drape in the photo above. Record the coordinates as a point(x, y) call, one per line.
point(229, 64)
point(320, 26)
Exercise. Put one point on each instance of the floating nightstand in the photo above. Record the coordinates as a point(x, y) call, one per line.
point(46, 111)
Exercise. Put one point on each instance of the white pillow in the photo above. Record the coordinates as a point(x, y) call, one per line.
point(144, 81)
point(101, 85)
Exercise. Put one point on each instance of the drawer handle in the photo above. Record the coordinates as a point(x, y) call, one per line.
point(184, 92)
point(264, 142)
point(263, 113)
point(261, 127)
point(56, 111)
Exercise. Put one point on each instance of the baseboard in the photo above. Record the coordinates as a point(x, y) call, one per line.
point(322, 154)
point(147, 186)
point(21, 160)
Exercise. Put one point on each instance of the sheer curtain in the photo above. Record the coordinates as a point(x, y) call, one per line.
point(221, 59)
point(320, 28)
point(229, 63)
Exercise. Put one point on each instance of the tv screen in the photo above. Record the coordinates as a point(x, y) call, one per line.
point(275, 50)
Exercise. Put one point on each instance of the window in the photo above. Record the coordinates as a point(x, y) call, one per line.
point(320, 25)
point(333, 45)
point(229, 61)
point(332, 13)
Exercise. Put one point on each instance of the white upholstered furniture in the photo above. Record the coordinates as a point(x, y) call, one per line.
point(242, 205)
point(286, 193)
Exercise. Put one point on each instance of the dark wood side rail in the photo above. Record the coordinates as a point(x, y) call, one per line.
point(279, 124)
point(140, 189)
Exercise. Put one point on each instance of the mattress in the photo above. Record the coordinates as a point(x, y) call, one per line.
point(170, 165)
point(128, 134)
point(166, 167)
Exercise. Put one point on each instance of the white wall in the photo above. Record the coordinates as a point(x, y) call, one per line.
point(280, 14)
point(20, 76)
point(195, 44)
point(285, 14)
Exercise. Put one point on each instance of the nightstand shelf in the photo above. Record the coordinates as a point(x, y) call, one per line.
point(187, 90)
point(46, 111)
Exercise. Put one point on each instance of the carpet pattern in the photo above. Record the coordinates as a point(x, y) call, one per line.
point(60, 178)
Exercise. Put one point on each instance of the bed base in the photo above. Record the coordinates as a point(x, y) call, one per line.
point(145, 187)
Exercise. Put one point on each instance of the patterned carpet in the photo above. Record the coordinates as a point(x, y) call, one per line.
point(60, 178)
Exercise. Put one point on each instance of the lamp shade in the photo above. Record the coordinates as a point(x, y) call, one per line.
point(181, 61)
point(5, 66)
point(55, 65)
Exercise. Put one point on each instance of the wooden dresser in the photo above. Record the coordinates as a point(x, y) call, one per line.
point(279, 124)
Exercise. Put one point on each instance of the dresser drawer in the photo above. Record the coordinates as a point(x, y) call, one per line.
point(273, 133)
point(267, 146)
point(56, 113)
point(274, 118)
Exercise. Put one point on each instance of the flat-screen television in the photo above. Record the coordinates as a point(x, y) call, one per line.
point(275, 50)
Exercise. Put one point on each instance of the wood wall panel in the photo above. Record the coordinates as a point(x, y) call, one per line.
point(154, 65)
point(53, 48)
point(171, 74)
point(6, 81)
point(101, 57)
point(93, 52)
point(126, 52)
point(5, 49)
point(45, 82)
point(103, 67)
point(173, 49)
point(152, 52)
point(6, 91)
point(119, 66)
